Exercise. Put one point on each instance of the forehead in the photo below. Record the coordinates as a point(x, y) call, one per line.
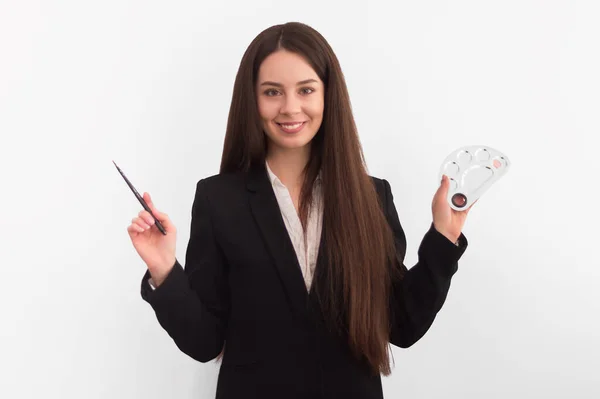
point(285, 67)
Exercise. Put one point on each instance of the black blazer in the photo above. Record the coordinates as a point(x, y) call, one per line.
point(242, 286)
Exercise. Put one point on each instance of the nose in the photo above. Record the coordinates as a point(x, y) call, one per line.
point(291, 105)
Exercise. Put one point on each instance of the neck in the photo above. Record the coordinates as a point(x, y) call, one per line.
point(288, 165)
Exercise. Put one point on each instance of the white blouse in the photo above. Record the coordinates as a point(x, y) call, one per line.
point(306, 249)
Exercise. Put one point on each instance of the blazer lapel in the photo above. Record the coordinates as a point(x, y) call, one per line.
point(267, 214)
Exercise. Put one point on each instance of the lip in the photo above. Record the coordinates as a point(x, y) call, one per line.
point(289, 123)
point(291, 131)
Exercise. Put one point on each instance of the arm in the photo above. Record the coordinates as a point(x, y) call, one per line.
point(419, 295)
point(192, 304)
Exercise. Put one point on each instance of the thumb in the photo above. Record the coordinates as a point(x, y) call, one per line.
point(443, 188)
point(162, 217)
point(150, 203)
point(158, 214)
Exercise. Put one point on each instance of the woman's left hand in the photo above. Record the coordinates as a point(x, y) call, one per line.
point(445, 219)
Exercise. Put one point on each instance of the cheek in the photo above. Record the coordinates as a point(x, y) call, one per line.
point(261, 109)
point(267, 110)
point(315, 110)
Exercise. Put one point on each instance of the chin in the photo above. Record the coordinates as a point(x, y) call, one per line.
point(287, 140)
point(287, 145)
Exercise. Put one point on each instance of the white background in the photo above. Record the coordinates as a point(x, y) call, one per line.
point(148, 84)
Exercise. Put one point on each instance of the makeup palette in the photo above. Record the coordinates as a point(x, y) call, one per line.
point(472, 170)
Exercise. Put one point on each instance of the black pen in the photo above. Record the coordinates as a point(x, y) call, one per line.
point(139, 197)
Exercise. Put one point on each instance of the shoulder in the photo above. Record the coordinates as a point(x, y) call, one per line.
point(221, 194)
point(381, 186)
point(379, 182)
point(222, 180)
point(222, 185)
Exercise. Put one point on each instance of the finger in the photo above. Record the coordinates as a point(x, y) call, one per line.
point(134, 228)
point(445, 184)
point(442, 191)
point(142, 223)
point(158, 214)
point(146, 217)
point(163, 218)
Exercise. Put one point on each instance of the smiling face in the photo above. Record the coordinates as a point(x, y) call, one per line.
point(290, 99)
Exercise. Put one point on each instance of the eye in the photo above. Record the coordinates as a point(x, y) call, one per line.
point(307, 90)
point(270, 92)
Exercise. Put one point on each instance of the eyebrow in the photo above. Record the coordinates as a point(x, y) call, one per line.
point(302, 82)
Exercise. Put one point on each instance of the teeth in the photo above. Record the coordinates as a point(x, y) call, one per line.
point(294, 126)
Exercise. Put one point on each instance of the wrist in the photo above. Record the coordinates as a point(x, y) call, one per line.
point(160, 273)
point(452, 237)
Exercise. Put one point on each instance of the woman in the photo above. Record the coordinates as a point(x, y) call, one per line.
point(294, 269)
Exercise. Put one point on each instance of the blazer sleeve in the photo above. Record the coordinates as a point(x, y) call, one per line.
point(192, 304)
point(418, 296)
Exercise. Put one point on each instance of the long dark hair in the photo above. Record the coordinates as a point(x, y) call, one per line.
point(354, 288)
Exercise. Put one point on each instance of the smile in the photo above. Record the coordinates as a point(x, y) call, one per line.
point(291, 127)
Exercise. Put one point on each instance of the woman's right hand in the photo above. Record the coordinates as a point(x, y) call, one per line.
point(156, 249)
